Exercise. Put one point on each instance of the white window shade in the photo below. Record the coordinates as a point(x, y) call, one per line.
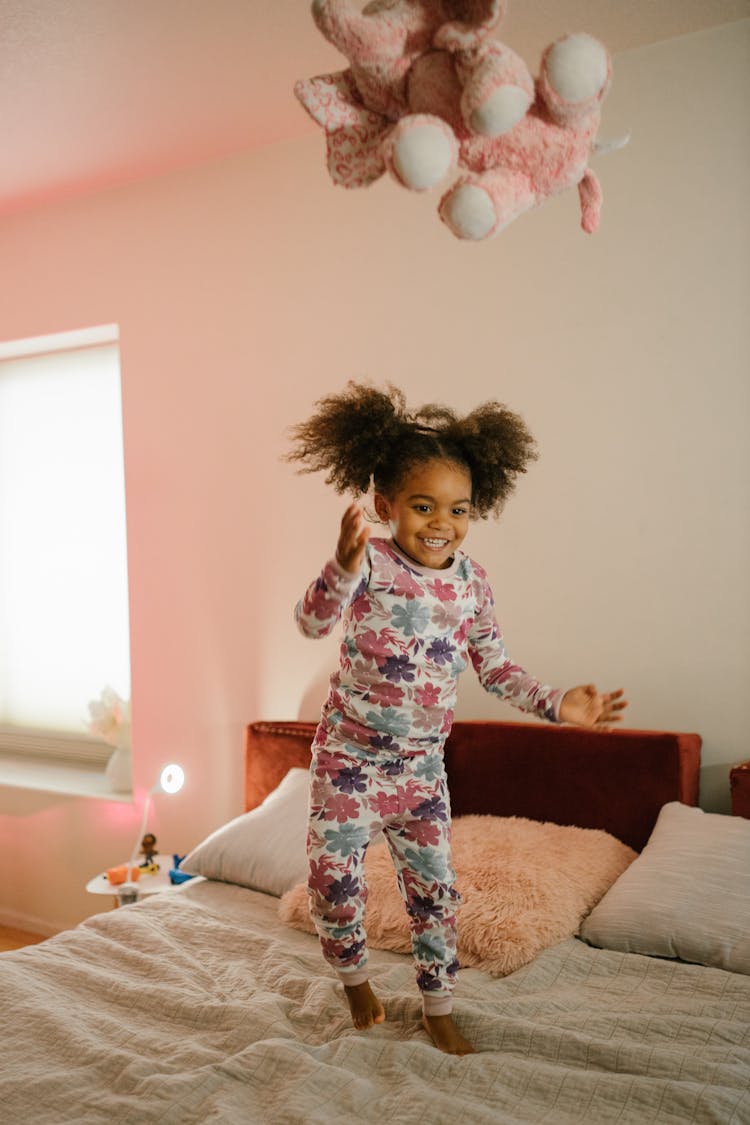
point(63, 568)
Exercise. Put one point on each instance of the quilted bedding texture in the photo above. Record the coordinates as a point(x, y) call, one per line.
point(199, 1006)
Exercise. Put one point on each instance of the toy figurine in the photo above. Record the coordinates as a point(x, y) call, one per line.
point(148, 851)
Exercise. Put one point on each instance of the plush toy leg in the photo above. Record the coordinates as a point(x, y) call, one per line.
point(480, 206)
point(590, 194)
point(574, 77)
point(420, 151)
point(497, 91)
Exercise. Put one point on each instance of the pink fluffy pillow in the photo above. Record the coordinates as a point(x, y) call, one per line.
point(524, 885)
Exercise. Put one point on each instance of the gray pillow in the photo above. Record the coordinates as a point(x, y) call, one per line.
point(686, 896)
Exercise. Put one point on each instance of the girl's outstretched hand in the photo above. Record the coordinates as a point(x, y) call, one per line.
point(350, 551)
point(586, 707)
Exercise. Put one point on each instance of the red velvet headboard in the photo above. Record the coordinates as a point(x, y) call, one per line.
point(614, 780)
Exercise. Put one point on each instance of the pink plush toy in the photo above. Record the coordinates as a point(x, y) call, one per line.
point(429, 91)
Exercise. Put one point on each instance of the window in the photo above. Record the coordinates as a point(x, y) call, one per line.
point(63, 569)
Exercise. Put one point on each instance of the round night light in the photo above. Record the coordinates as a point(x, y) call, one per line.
point(172, 778)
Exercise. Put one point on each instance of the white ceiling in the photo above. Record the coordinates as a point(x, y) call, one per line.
point(99, 92)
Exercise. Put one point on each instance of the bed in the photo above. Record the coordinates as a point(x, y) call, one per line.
point(203, 1005)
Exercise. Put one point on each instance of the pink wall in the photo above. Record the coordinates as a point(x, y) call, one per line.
point(246, 289)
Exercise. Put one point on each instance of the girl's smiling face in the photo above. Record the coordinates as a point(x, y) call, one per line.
point(428, 515)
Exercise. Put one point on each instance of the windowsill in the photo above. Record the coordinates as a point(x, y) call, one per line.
point(66, 779)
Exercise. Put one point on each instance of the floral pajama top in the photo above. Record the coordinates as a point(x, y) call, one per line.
point(409, 632)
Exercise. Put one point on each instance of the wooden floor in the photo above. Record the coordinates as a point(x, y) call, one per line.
point(16, 939)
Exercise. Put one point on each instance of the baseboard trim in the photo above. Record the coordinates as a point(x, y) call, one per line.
point(29, 923)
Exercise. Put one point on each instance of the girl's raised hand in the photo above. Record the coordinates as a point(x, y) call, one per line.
point(350, 551)
point(586, 707)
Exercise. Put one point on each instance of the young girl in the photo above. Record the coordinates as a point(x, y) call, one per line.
point(416, 610)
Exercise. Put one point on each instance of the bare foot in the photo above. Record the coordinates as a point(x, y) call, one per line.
point(446, 1036)
point(365, 1007)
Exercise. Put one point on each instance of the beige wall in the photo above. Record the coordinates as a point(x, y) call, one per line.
point(244, 290)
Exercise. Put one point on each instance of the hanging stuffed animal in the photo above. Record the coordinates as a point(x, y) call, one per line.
point(430, 92)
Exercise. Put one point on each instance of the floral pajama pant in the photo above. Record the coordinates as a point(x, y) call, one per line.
point(352, 798)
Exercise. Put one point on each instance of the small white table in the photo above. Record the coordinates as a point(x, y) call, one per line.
point(146, 884)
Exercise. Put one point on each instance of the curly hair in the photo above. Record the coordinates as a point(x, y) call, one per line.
point(365, 435)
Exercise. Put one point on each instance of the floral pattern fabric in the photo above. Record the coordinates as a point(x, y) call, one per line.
point(351, 800)
point(409, 632)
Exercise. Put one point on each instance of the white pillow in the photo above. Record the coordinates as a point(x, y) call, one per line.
point(263, 849)
point(687, 895)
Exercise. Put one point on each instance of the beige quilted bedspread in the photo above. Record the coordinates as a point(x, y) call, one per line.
point(198, 1006)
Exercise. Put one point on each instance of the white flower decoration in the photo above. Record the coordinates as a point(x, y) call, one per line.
point(110, 718)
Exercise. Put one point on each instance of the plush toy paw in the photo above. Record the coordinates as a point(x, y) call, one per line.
point(468, 211)
point(421, 151)
point(480, 206)
point(575, 76)
point(503, 109)
point(577, 67)
point(497, 89)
